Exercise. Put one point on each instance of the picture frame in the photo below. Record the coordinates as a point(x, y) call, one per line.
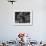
point(23, 18)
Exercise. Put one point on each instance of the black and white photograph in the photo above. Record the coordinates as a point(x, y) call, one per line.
point(23, 18)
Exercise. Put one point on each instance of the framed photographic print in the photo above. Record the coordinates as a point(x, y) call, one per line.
point(23, 18)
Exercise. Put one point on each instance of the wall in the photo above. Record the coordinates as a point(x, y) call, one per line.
point(9, 31)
